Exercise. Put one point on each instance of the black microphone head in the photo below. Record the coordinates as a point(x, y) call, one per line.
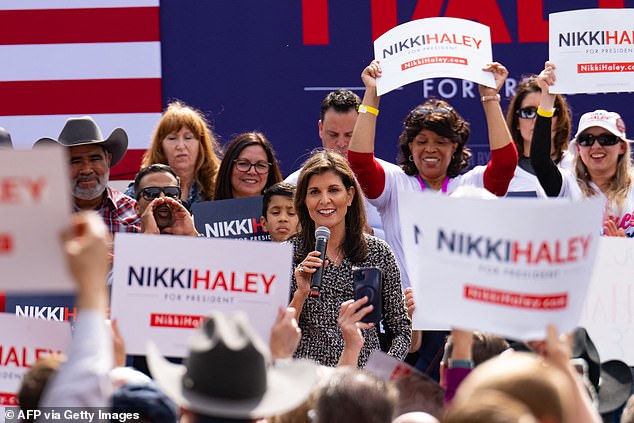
point(322, 232)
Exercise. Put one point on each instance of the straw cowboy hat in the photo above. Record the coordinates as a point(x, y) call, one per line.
point(226, 373)
point(612, 379)
point(84, 131)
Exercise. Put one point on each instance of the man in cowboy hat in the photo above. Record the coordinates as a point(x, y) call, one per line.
point(226, 376)
point(91, 157)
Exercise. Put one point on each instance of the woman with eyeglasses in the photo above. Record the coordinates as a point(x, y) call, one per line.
point(248, 167)
point(182, 140)
point(602, 165)
point(433, 155)
point(520, 119)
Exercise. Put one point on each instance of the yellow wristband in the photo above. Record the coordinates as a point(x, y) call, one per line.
point(490, 98)
point(544, 113)
point(368, 109)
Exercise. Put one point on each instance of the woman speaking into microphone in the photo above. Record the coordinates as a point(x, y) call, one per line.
point(328, 195)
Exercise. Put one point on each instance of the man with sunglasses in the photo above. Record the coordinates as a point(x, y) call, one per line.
point(158, 193)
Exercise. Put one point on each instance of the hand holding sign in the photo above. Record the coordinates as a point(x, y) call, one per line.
point(500, 73)
point(370, 74)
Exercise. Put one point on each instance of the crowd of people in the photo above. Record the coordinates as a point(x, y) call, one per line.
point(312, 369)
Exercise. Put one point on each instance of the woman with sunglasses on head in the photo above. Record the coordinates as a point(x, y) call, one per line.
point(602, 164)
point(248, 167)
point(520, 119)
point(182, 139)
point(432, 153)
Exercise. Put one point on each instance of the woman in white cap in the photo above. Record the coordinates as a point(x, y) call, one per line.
point(602, 165)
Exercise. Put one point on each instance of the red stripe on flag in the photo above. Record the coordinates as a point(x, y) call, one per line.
point(98, 25)
point(87, 96)
point(128, 167)
point(315, 22)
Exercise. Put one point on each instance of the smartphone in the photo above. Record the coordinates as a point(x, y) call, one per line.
point(368, 282)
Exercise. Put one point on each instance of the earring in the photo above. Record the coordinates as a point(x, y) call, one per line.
point(411, 157)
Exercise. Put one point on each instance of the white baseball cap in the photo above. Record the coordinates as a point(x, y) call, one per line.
point(610, 121)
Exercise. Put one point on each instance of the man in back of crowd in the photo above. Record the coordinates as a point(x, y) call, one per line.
point(157, 189)
point(227, 378)
point(339, 111)
point(91, 157)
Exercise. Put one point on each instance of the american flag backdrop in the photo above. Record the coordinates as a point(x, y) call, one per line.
point(62, 58)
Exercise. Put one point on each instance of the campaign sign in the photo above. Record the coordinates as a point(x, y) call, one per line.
point(60, 308)
point(433, 47)
point(525, 264)
point(237, 218)
point(23, 342)
point(35, 208)
point(593, 50)
point(164, 286)
point(608, 314)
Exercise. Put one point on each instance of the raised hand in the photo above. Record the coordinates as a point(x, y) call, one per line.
point(183, 221)
point(500, 73)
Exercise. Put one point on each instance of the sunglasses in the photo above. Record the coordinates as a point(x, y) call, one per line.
point(152, 193)
point(530, 112)
point(587, 140)
point(245, 166)
point(419, 111)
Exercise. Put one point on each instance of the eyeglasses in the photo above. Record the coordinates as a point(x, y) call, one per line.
point(152, 193)
point(587, 140)
point(530, 112)
point(245, 166)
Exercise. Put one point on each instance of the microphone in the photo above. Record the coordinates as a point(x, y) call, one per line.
point(322, 235)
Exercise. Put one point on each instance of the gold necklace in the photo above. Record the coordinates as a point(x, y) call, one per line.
point(335, 261)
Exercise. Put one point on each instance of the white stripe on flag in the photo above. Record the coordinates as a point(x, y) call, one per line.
point(80, 61)
point(25, 130)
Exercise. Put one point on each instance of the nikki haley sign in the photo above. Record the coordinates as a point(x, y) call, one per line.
point(164, 285)
point(507, 267)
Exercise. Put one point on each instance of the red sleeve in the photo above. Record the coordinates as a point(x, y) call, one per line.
point(500, 169)
point(370, 174)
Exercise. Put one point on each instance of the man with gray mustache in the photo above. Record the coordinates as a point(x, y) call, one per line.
point(91, 157)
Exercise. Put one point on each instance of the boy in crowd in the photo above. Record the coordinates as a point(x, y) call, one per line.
point(278, 212)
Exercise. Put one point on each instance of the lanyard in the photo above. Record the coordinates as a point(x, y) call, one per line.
point(423, 185)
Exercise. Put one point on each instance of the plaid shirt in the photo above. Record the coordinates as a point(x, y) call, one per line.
point(118, 212)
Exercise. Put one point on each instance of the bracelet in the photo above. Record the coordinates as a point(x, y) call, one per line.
point(545, 113)
point(368, 109)
point(490, 98)
point(465, 364)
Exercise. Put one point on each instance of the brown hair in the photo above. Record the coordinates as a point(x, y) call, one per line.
point(224, 190)
point(179, 115)
point(437, 116)
point(322, 161)
point(529, 85)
